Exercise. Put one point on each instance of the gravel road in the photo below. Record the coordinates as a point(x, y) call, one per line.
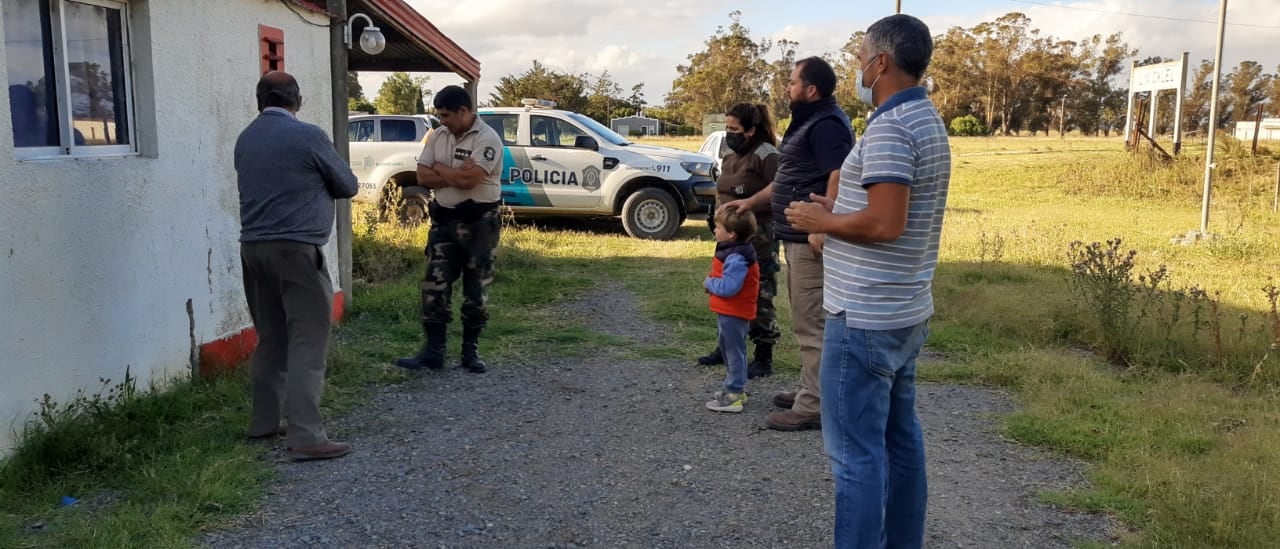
point(608, 452)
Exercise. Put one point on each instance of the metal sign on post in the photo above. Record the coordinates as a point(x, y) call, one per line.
point(1155, 79)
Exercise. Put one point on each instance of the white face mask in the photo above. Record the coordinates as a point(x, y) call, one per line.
point(866, 94)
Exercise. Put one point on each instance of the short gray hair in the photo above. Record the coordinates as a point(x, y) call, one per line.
point(904, 38)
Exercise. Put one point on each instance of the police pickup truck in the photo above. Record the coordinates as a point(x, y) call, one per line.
point(565, 164)
point(562, 163)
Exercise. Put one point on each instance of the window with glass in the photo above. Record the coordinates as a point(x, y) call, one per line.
point(546, 131)
point(360, 130)
point(69, 81)
point(506, 125)
point(399, 129)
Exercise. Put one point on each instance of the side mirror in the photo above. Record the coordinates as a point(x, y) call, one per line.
point(586, 142)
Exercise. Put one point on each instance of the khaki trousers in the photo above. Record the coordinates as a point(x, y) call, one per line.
point(290, 299)
point(804, 288)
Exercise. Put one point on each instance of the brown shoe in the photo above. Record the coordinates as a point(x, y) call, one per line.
point(785, 400)
point(324, 450)
point(791, 421)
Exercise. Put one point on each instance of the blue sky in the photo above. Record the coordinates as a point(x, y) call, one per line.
point(643, 42)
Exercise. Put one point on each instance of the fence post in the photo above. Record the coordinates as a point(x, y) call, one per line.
point(1257, 129)
point(1275, 203)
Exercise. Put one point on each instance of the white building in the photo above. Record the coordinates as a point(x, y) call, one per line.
point(119, 227)
point(1270, 130)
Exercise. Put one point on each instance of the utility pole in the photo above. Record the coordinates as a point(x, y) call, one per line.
point(1213, 121)
point(338, 68)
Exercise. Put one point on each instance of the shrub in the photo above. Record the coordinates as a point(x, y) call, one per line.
point(967, 126)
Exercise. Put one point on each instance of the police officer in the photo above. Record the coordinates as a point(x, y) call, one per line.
point(461, 163)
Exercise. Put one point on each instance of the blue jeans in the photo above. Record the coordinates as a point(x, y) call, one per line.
point(872, 435)
point(733, 345)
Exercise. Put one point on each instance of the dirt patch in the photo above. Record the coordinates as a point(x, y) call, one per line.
point(606, 452)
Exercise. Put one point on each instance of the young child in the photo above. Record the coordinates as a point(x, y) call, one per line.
point(734, 285)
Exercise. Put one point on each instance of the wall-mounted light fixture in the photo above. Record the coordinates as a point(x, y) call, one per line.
point(371, 39)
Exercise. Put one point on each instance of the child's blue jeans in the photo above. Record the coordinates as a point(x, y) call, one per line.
point(733, 345)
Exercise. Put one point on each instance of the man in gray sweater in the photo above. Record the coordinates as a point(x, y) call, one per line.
point(289, 175)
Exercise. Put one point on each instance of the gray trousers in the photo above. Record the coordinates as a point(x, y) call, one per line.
point(291, 300)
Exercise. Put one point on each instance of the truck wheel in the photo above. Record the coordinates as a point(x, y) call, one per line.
point(412, 209)
point(651, 214)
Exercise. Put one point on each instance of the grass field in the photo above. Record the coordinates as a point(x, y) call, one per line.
point(1164, 388)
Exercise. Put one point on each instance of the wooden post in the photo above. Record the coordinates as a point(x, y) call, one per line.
point(1257, 129)
point(338, 76)
point(1134, 137)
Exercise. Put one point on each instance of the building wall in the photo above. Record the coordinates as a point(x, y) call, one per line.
point(628, 124)
point(1270, 130)
point(133, 263)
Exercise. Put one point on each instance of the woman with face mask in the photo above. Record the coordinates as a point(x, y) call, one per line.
point(749, 166)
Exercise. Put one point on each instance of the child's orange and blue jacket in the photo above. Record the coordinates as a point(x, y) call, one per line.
point(734, 283)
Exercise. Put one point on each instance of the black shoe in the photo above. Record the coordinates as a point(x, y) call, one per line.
point(431, 357)
point(471, 360)
point(762, 364)
point(714, 358)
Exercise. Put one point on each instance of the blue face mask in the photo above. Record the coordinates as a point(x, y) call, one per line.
point(866, 94)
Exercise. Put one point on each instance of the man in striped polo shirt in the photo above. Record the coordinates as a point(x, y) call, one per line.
point(880, 253)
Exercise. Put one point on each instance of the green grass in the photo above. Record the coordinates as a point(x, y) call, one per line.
point(1183, 441)
point(1184, 450)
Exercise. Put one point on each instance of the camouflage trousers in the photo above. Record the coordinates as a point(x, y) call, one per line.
point(458, 248)
point(764, 329)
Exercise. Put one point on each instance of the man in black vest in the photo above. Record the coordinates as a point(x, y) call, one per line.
point(813, 150)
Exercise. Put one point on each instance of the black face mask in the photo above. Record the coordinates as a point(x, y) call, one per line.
point(735, 141)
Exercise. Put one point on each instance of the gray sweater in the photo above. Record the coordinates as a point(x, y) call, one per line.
point(289, 175)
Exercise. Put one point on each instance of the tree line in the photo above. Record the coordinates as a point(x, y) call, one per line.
point(598, 96)
point(1001, 77)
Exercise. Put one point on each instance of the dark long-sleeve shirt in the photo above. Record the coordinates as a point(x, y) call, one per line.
point(289, 175)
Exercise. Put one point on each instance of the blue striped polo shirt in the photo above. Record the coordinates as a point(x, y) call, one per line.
point(887, 286)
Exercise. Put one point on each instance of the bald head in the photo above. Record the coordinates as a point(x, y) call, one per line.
point(279, 89)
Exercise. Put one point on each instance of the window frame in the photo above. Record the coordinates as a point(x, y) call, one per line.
point(57, 41)
point(267, 38)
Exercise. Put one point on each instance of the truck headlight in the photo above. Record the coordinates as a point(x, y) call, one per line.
point(697, 168)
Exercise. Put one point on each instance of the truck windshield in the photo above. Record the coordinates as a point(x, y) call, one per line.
point(600, 129)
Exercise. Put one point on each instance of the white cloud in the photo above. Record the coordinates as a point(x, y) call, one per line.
point(1169, 38)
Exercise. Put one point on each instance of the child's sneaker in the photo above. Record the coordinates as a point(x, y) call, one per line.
point(727, 402)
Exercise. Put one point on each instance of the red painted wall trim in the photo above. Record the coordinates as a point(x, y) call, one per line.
point(230, 352)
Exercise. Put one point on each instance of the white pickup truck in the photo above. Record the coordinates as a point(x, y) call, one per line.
point(384, 149)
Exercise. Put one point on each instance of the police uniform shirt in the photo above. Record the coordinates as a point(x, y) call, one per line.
point(479, 143)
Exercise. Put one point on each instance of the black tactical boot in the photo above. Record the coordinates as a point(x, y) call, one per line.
point(471, 351)
point(431, 356)
point(762, 365)
point(713, 358)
